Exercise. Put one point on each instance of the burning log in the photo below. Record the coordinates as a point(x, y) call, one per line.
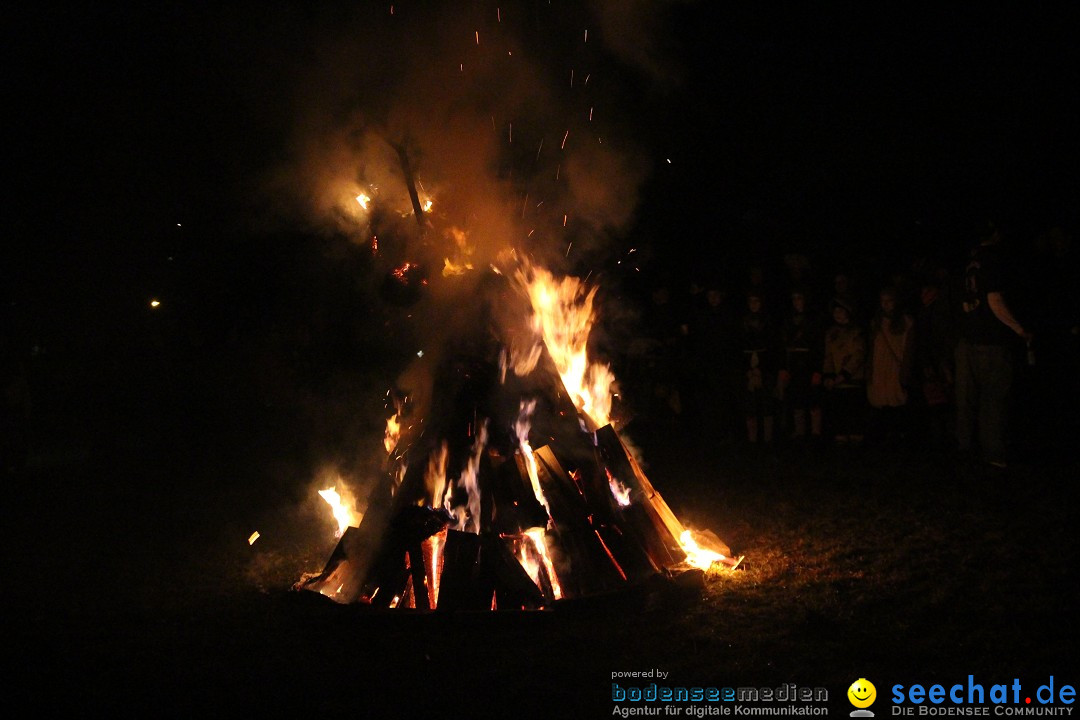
point(583, 557)
point(410, 182)
point(464, 584)
point(576, 518)
point(513, 586)
point(614, 455)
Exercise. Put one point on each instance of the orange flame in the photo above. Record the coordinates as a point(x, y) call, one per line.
point(696, 555)
point(344, 511)
point(564, 316)
point(393, 432)
point(537, 537)
point(435, 477)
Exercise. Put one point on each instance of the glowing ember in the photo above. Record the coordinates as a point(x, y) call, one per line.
point(155, 303)
point(434, 565)
point(563, 313)
point(620, 492)
point(344, 512)
point(253, 538)
point(402, 273)
point(696, 555)
point(363, 200)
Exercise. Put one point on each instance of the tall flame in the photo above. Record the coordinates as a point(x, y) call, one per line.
point(435, 477)
point(344, 511)
point(470, 480)
point(564, 316)
point(521, 430)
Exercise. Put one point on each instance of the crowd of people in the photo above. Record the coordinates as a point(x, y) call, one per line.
point(929, 355)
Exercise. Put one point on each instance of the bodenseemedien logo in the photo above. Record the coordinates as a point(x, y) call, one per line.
point(862, 694)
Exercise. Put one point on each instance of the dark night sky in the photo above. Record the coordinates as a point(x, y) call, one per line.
point(839, 130)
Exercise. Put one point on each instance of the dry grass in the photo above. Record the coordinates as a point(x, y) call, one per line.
point(883, 564)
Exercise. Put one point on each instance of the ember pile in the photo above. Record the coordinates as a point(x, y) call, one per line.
point(470, 517)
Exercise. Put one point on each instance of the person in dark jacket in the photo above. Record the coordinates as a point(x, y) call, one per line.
point(799, 380)
point(989, 333)
point(844, 374)
point(758, 369)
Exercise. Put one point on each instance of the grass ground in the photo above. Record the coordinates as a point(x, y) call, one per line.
point(137, 591)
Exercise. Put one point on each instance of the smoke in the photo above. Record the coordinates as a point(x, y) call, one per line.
point(630, 29)
point(517, 124)
point(509, 117)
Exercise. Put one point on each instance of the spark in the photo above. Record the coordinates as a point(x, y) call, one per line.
point(477, 37)
point(539, 149)
point(571, 77)
point(557, 171)
point(155, 303)
point(524, 205)
point(668, 161)
point(586, 34)
point(419, 353)
point(498, 13)
point(253, 538)
point(563, 146)
point(178, 225)
point(564, 225)
point(511, 132)
point(571, 242)
point(587, 78)
point(590, 114)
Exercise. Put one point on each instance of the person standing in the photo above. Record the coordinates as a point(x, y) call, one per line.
point(984, 353)
point(758, 371)
point(844, 373)
point(889, 369)
point(799, 379)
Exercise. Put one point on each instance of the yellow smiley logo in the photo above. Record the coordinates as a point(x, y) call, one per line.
point(862, 693)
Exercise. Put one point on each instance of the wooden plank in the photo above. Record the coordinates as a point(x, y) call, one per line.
point(613, 454)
